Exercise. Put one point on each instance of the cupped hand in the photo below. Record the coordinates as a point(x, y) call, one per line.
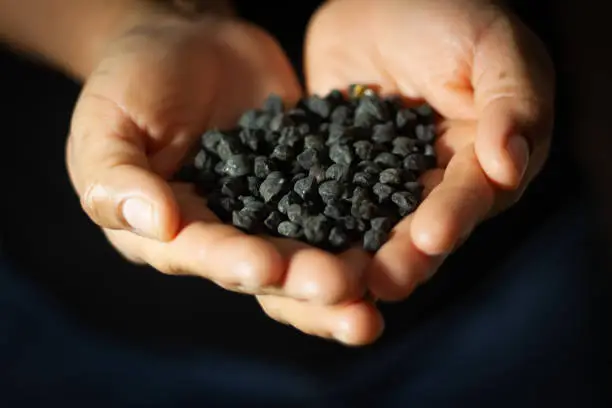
point(488, 77)
point(141, 111)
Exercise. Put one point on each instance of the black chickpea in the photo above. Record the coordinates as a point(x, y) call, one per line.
point(331, 171)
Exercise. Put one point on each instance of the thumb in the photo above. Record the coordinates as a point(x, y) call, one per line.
point(513, 82)
point(109, 169)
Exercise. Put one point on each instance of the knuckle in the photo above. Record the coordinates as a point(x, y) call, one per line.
point(225, 285)
point(247, 290)
point(314, 332)
point(337, 292)
point(118, 242)
point(159, 259)
point(230, 287)
point(272, 309)
point(89, 200)
point(169, 268)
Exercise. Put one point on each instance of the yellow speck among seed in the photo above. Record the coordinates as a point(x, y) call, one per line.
point(357, 91)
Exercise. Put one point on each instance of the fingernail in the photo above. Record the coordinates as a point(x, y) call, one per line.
point(139, 215)
point(518, 148)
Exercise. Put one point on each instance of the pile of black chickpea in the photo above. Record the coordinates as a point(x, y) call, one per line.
point(332, 171)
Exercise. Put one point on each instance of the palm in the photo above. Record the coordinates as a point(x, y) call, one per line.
point(172, 89)
point(438, 51)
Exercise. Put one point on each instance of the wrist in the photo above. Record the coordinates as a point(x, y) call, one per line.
point(73, 35)
point(67, 34)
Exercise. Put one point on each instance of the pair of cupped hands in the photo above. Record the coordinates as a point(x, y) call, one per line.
point(162, 83)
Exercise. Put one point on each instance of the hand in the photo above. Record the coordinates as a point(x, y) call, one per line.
point(483, 71)
point(157, 88)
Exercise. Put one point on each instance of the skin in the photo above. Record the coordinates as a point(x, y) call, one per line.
point(158, 79)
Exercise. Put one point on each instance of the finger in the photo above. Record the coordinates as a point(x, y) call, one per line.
point(514, 93)
point(454, 207)
point(316, 275)
point(109, 169)
point(430, 180)
point(354, 324)
point(207, 248)
point(399, 266)
point(454, 135)
point(310, 274)
point(244, 263)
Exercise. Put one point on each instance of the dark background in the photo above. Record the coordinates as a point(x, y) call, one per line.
point(46, 234)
